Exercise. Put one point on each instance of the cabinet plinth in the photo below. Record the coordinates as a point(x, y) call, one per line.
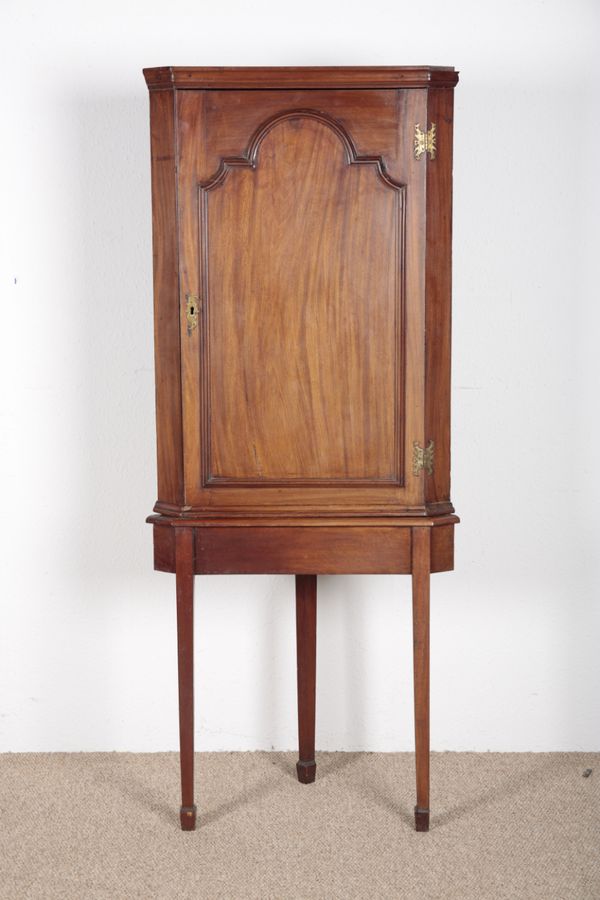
point(302, 294)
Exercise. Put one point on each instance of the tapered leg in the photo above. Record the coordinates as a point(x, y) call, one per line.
point(306, 646)
point(184, 575)
point(421, 567)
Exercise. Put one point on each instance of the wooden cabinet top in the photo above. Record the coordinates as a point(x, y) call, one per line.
point(290, 77)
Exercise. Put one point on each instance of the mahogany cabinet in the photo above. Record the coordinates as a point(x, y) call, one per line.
point(302, 280)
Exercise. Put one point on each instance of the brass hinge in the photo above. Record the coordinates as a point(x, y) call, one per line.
point(425, 141)
point(423, 458)
point(191, 312)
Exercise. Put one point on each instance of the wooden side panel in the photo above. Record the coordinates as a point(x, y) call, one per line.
point(303, 550)
point(164, 548)
point(442, 548)
point(438, 288)
point(166, 300)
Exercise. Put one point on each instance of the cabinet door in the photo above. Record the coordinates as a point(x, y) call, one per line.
point(301, 300)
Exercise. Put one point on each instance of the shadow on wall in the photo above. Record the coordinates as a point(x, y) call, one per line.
point(104, 543)
point(111, 162)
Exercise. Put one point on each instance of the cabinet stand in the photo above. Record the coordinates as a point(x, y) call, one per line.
point(190, 548)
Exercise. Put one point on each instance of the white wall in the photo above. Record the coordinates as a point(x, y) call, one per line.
point(87, 629)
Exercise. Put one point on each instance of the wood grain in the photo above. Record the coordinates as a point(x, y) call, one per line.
point(167, 361)
point(303, 255)
point(302, 550)
point(438, 289)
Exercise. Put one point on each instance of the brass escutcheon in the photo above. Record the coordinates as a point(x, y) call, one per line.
point(191, 313)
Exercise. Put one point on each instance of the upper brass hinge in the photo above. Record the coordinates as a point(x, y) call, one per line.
point(191, 311)
point(423, 458)
point(425, 141)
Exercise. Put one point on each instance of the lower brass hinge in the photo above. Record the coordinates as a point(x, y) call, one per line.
point(423, 458)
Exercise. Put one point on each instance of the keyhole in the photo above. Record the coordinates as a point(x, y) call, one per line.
point(191, 310)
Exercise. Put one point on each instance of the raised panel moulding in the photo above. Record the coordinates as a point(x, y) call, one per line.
point(313, 239)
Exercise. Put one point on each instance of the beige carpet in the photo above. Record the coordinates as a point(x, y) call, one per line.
point(102, 825)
